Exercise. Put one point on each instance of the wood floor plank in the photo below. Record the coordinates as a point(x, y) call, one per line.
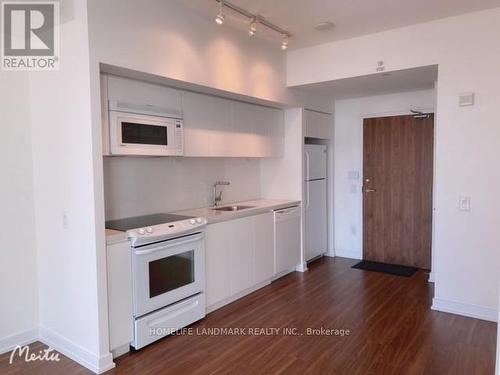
point(392, 331)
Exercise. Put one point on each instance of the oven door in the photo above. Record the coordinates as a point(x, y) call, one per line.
point(137, 134)
point(167, 272)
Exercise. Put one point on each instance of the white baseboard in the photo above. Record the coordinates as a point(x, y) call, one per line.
point(22, 338)
point(76, 352)
point(431, 277)
point(352, 254)
point(236, 296)
point(471, 311)
point(121, 350)
point(283, 273)
point(302, 267)
point(330, 253)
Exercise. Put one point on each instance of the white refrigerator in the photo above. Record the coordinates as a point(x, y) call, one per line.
point(315, 200)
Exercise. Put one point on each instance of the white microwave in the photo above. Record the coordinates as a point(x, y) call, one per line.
point(144, 130)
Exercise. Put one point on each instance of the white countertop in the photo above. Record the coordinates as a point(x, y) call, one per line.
point(115, 236)
point(258, 206)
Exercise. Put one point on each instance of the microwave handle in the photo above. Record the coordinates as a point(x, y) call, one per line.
point(166, 246)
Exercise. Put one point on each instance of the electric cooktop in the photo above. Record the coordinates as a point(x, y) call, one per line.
point(143, 221)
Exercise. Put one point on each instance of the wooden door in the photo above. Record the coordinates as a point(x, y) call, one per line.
point(397, 190)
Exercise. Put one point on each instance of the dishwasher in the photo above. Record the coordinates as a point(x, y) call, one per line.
point(286, 240)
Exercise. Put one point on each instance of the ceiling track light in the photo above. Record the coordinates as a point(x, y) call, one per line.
point(252, 29)
point(219, 20)
point(254, 20)
point(284, 42)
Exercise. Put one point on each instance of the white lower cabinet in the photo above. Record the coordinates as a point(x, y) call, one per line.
point(264, 247)
point(120, 308)
point(240, 257)
point(242, 254)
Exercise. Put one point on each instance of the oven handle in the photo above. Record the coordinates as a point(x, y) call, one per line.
point(169, 245)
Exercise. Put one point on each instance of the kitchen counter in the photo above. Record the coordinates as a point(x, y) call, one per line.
point(258, 206)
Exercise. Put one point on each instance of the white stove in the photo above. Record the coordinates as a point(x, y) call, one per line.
point(168, 270)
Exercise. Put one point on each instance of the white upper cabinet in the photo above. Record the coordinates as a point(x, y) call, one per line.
point(318, 124)
point(206, 125)
point(213, 126)
point(226, 128)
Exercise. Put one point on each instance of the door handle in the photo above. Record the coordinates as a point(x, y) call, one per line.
point(167, 246)
point(367, 190)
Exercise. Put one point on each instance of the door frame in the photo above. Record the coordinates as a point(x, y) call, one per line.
point(392, 114)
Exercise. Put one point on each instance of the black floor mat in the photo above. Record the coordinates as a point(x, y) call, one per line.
point(393, 269)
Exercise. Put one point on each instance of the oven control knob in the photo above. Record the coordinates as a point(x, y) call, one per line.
point(149, 230)
point(142, 231)
point(198, 220)
point(192, 221)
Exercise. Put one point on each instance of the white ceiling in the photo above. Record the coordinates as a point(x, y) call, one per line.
point(351, 17)
point(377, 84)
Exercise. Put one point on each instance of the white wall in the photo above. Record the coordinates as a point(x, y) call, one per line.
point(465, 246)
point(143, 185)
point(18, 285)
point(348, 157)
point(64, 199)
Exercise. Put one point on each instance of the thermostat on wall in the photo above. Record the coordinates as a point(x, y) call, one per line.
point(466, 99)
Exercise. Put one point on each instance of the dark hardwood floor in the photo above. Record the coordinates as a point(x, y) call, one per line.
point(392, 331)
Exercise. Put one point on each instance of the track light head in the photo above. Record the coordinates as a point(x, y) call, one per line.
point(219, 20)
point(252, 29)
point(284, 43)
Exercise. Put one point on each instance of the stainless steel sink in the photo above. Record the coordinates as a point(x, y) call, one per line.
point(232, 208)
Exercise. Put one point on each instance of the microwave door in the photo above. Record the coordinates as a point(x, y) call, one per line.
point(138, 134)
point(143, 134)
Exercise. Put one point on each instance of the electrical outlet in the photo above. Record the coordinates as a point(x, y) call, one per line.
point(353, 230)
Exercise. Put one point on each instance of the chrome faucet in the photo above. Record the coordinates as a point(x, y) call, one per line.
point(218, 197)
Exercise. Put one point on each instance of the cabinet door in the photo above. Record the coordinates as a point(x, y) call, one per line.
point(218, 260)
point(317, 124)
point(138, 92)
point(243, 137)
point(264, 247)
point(270, 131)
point(196, 112)
point(242, 254)
point(221, 127)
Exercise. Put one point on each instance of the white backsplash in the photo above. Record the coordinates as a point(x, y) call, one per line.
point(144, 185)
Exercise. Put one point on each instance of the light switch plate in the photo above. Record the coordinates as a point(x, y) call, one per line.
point(464, 203)
point(353, 175)
point(466, 99)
